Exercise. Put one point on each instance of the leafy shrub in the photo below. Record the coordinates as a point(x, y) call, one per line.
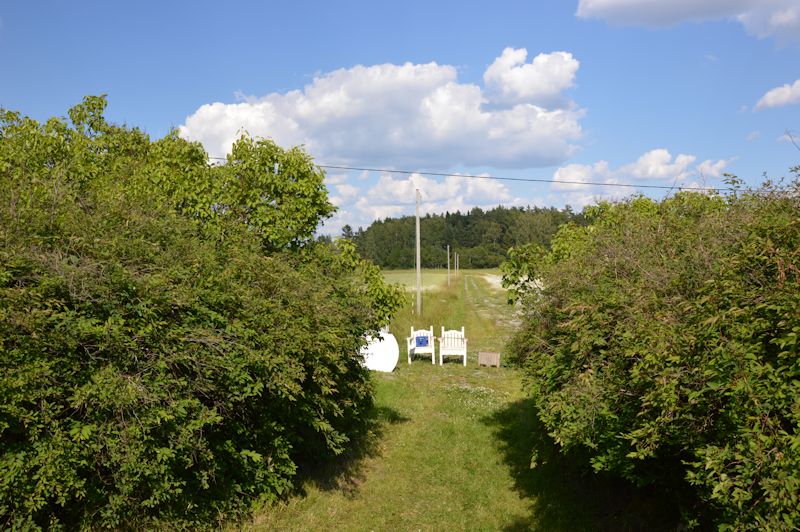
point(171, 340)
point(662, 339)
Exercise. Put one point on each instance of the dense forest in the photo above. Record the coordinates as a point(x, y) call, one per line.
point(481, 238)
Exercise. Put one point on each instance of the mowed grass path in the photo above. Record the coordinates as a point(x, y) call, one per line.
point(451, 446)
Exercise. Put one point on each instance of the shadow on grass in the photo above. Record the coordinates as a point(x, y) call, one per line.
point(345, 472)
point(566, 494)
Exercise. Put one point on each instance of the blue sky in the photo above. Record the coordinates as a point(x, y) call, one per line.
point(633, 91)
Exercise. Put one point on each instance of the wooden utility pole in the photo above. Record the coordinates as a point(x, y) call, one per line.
point(448, 265)
point(419, 264)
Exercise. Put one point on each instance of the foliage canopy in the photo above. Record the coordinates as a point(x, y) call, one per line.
point(172, 341)
point(662, 339)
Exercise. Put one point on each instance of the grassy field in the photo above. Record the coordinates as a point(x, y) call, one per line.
point(473, 301)
point(451, 447)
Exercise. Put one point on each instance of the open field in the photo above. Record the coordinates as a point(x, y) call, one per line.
point(472, 301)
point(436, 279)
point(431, 279)
point(451, 447)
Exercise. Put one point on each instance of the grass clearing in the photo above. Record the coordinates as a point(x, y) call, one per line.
point(451, 447)
point(432, 466)
point(432, 279)
point(473, 300)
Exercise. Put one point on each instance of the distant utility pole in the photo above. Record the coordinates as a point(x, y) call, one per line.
point(448, 265)
point(419, 264)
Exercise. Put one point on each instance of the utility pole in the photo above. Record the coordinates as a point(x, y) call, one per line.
point(419, 264)
point(448, 265)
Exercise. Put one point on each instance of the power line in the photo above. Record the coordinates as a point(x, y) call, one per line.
point(520, 179)
point(524, 179)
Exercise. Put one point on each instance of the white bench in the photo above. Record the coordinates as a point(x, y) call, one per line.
point(421, 343)
point(452, 343)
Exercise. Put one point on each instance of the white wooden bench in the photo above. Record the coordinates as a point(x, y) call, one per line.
point(421, 343)
point(452, 343)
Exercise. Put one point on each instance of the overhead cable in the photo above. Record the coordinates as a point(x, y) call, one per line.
point(519, 179)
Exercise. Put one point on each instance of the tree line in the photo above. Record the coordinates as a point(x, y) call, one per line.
point(481, 238)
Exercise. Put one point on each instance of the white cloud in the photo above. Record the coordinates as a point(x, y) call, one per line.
point(779, 18)
point(394, 196)
point(659, 12)
point(579, 195)
point(343, 194)
point(753, 135)
point(581, 173)
point(780, 96)
point(790, 136)
point(540, 81)
point(658, 164)
point(762, 18)
point(411, 114)
point(588, 182)
point(710, 168)
point(335, 179)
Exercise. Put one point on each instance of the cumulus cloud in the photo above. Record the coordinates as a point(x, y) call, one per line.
point(586, 183)
point(344, 193)
point(394, 195)
point(711, 169)
point(762, 18)
point(412, 114)
point(397, 194)
point(780, 96)
point(659, 164)
point(780, 18)
point(541, 81)
point(335, 179)
point(570, 176)
point(578, 185)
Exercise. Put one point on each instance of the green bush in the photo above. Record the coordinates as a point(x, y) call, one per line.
point(662, 340)
point(172, 342)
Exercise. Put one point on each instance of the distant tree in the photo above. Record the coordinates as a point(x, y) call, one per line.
point(347, 232)
point(483, 237)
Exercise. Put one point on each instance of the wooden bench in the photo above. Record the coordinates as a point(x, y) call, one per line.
point(452, 343)
point(421, 343)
